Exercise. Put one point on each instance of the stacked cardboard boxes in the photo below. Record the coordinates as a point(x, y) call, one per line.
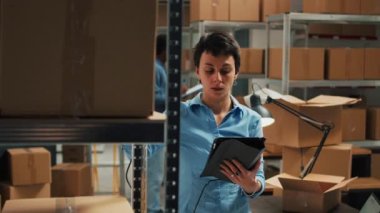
point(300, 141)
point(329, 64)
point(29, 174)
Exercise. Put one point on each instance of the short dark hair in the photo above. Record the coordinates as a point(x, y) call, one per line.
point(160, 44)
point(218, 43)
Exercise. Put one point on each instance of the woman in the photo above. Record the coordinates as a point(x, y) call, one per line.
point(215, 113)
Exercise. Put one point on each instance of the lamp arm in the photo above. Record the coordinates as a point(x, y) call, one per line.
point(309, 166)
point(316, 124)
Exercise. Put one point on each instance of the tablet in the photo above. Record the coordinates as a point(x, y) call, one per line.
point(247, 150)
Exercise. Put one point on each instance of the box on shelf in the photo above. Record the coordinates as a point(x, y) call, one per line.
point(323, 6)
point(29, 166)
point(251, 60)
point(244, 10)
point(86, 204)
point(217, 10)
point(359, 30)
point(314, 193)
point(353, 124)
point(74, 153)
point(325, 29)
point(375, 165)
point(332, 160)
point(350, 6)
point(372, 64)
point(345, 64)
point(50, 66)
point(373, 123)
point(9, 192)
point(71, 179)
point(304, 63)
point(288, 130)
point(370, 7)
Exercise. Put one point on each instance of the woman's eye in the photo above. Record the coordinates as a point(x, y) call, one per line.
point(225, 71)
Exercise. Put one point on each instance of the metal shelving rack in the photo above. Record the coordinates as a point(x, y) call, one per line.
point(118, 130)
point(288, 22)
point(298, 21)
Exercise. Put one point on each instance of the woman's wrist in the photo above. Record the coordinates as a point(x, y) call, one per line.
point(255, 189)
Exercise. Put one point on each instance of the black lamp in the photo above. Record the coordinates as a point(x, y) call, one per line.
point(324, 127)
point(266, 116)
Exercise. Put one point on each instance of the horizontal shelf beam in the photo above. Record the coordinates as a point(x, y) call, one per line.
point(86, 130)
point(327, 18)
point(226, 25)
point(322, 83)
point(365, 143)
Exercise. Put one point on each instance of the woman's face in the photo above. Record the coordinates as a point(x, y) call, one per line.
point(217, 75)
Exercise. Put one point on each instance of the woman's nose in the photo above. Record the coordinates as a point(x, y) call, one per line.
point(218, 76)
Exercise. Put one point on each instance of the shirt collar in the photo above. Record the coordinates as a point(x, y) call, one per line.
point(197, 101)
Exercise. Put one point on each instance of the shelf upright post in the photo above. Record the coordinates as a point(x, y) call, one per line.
point(139, 178)
point(286, 44)
point(173, 105)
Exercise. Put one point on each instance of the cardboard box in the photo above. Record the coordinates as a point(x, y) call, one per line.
point(359, 30)
point(251, 61)
point(304, 63)
point(88, 204)
point(29, 166)
point(345, 64)
point(332, 160)
point(351, 6)
point(314, 193)
point(244, 10)
point(74, 153)
point(322, 6)
point(9, 192)
point(217, 10)
point(325, 29)
point(375, 165)
point(373, 123)
point(370, 7)
point(289, 130)
point(71, 179)
point(372, 64)
point(353, 124)
point(67, 57)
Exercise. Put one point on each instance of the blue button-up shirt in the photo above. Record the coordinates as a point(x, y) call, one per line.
point(160, 86)
point(198, 131)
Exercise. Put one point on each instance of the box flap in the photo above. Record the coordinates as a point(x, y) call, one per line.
point(275, 179)
point(332, 100)
point(293, 100)
point(341, 184)
point(305, 185)
point(324, 178)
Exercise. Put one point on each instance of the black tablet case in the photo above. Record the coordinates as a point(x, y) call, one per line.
point(246, 150)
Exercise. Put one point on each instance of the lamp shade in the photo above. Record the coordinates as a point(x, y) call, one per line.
point(266, 116)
